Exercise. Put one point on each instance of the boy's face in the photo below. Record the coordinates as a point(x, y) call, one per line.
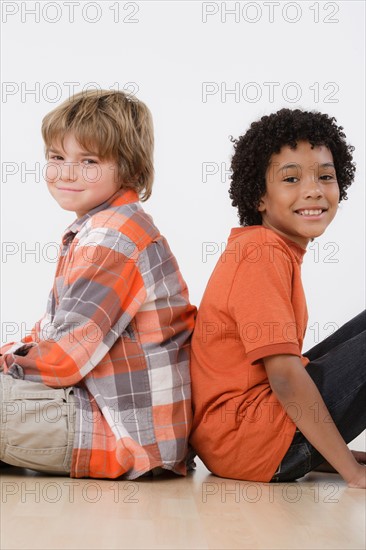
point(78, 180)
point(302, 192)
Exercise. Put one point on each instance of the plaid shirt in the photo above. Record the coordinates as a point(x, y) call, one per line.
point(117, 329)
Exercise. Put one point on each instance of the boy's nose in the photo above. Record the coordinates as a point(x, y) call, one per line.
point(69, 171)
point(313, 188)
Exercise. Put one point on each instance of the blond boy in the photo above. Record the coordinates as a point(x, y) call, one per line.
point(101, 387)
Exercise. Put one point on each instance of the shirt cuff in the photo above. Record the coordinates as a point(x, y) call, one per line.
point(284, 348)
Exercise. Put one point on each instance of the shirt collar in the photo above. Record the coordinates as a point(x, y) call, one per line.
point(122, 196)
point(297, 250)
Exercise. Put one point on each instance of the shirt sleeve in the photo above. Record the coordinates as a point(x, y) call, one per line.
point(102, 291)
point(260, 302)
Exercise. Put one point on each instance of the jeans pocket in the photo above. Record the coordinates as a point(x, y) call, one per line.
point(37, 421)
point(295, 464)
point(37, 425)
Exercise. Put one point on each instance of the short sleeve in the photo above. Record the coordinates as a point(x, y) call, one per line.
point(260, 301)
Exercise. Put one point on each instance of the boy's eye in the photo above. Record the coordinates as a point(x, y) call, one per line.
point(291, 179)
point(327, 177)
point(58, 157)
point(54, 157)
point(90, 160)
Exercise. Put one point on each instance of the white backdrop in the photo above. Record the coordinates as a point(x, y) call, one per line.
point(206, 70)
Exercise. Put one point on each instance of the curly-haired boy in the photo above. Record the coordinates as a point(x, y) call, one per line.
point(264, 411)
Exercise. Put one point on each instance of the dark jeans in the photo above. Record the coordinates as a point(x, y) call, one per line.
point(338, 368)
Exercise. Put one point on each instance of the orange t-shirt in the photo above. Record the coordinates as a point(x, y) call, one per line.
point(254, 306)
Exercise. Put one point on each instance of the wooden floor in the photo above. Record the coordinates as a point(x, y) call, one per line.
point(199, 511)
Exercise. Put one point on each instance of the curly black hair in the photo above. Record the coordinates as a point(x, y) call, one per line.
point(265, 137)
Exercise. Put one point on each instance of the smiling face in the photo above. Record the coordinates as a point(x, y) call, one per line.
point(77, 179)
point(302, 192)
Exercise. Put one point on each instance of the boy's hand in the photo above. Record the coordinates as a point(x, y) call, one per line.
point(23, 350)
point(360, 456)
point(359, 479)
point(292, 384)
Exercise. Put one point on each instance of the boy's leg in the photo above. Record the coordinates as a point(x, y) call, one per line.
point(344, 333)
point(37, 425)
point(340, 376)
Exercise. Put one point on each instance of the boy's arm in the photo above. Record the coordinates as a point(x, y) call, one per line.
point(292, 384)
point(11, 347)
point(21, 347)
point(102, 294)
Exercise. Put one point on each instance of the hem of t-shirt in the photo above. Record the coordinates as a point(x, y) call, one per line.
point(279, 456)
point(273, 349)
point(264, 473)
point(155, 468)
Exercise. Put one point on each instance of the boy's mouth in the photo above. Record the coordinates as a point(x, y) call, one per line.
point(68, 189)
point(310, 211)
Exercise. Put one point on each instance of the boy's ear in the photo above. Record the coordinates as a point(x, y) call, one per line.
point(261, 205)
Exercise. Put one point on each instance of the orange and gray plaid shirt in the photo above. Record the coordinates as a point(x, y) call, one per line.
point(117, 329)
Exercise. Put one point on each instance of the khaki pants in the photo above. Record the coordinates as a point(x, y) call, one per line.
point(37, 425)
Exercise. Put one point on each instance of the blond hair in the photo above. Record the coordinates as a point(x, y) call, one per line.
point(115, 125)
